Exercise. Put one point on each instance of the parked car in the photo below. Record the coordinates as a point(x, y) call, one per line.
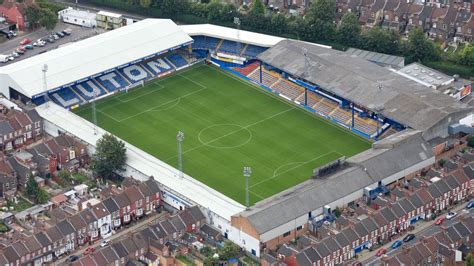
point(50, 40)
point(451, 215)
point(72, 258)
point(25, 41)
point(54, 36)
point(408, 238)
point(89, 250)
point(39, 43)
point(470, 204)
point(67, 32)
point(12, 33)
point(21, 48)
point(29, 46)
point(104, 243)
point(60, 34)
point(397, 244)
point(19, 51)
point(15, 54)
point(380, 252)
point(440, 220)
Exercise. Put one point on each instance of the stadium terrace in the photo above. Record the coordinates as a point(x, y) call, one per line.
point(361, 127)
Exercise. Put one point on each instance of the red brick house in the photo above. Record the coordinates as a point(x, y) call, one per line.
point(14, 12)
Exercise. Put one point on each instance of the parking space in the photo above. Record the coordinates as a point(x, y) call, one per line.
point(77, 33)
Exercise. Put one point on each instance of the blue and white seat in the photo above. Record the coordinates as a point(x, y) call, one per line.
point(158, 66)
point(231, 47)
point(88, 90)
point(112, 81)
point(135, 73)
point(177, 60)
point(253, 50)
point(65, 97)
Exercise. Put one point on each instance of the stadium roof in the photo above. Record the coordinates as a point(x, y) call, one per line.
point(378, 58)
point(91, 56)
point(188, 188)
point(231, 34)
point(362, 170)
point(358, 80)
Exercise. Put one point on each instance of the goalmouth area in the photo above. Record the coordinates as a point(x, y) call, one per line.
point(228, 123)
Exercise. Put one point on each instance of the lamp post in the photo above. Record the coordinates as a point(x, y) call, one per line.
point(247, 173)
point(180, 139)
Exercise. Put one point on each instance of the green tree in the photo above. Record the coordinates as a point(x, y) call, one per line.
point(109, 156)
point(467, 55)
point(278, 23)
point(228, 251)
point(31, 187)
point(319, 22)
point(469, 260)
point(48, 19)
point(419, 47)
point(348, 30)
point(257, 7)
point(380, 40)
point(470, 141)
point(34, 16)
point(146, 3)
point(41, 196)
point(214, 11)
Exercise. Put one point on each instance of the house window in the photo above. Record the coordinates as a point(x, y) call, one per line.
point(444, 26)
point(286, 234)
point(299, 228)
point(469, 30)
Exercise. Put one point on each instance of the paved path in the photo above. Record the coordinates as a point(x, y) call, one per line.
point(422, 228)
point(122, 232)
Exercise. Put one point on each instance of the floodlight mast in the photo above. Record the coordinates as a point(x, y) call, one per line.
point(307, 64)
point(247, 173)
point(180, 139)
point(237, 23)
point(94, 112)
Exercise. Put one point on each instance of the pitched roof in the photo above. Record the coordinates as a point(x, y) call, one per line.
point(65, 227)
point(54, 234)
point(133, 194)
point(43, 239)
point(197, 213)
point(99, 210)
point(110, 204)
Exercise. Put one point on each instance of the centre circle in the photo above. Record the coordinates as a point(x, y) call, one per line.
point(224, 136)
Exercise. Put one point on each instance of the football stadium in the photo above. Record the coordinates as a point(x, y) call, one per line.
point(195, 104)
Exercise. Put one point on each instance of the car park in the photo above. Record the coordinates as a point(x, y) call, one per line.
point(397, 244)
point(380, 252)
point(409, 238)
point(440, 220)
point(25, 41)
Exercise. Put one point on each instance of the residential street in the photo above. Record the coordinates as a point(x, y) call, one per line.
point(125, 230)
point(422, 228)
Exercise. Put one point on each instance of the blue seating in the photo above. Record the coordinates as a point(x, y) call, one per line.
point(231, 47)
point(204, 42)
point(112, 81)
point(157, 66)
point(253, 50)
point(87, 89)
point(177, 60)
point(65, 97)
point(135, 73)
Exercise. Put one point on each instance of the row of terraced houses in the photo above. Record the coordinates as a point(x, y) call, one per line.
point(86, 226)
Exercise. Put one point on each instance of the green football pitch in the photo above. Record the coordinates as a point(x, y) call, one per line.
point(228, 124)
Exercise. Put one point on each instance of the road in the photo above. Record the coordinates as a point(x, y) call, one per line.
point(124, 231)
point(77, 33)
point(422, 228)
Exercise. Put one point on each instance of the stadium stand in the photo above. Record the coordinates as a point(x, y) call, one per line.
point(288, 89)
point(87, 89)
point(177, 60)
point(319, 103)
point(204, 42)
point(231, 47)
point(253, 51)
point(134, 73)
point(157, 66)
point(248, 69)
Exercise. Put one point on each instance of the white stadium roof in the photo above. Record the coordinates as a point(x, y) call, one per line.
point(231, 34)
point(143, 162)
point(91, 56)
